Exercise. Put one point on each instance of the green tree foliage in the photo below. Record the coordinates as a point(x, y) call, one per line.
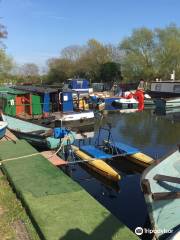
point(149, 54)
point(110, 72)
point(167, 52)
point(59, 70)
point(138, 55)
point(79, 61)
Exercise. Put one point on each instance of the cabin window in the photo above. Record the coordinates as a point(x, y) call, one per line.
point(158, 87)
point(176, 89)
point(65, 98)
point(79, 84)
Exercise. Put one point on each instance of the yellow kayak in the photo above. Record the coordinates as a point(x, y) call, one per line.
point(97, 165)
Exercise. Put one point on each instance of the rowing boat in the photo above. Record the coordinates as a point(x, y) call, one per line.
point(161, 186)
point(36, 135)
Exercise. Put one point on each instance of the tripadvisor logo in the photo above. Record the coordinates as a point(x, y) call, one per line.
point(139, 231)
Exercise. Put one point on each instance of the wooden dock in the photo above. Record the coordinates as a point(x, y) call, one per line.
point(58, 206)
point(52, 157)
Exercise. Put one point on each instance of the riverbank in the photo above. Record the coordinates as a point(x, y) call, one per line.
point(14, 222)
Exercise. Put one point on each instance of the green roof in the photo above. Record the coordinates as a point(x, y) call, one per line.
point(11, 91)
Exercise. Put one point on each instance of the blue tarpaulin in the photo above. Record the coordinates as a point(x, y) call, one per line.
point(95, 152)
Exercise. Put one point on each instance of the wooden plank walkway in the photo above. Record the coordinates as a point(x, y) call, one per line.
point(53, 158)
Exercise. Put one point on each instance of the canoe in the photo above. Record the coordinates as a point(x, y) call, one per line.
point(3, 126)
point(36, 135)
point(161, 187)
point(97, 164)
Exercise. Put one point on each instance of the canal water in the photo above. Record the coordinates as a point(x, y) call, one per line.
point(154, 135)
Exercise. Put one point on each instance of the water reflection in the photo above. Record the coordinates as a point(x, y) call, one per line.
point(154, 135)
point(171, 114)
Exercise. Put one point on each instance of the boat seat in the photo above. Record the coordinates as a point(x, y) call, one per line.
point(123, 148)
point(95, 152)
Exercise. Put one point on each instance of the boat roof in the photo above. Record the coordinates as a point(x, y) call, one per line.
point(167, 81)
point(12, 91)
point(36, 89)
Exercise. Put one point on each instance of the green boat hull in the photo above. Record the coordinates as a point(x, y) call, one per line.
point(161, 186)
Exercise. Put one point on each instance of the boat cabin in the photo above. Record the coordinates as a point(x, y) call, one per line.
point(165, 89)
point(19, 103)
point(55, 100)
point(79, 85)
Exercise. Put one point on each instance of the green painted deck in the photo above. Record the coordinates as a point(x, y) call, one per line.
point(59, 207)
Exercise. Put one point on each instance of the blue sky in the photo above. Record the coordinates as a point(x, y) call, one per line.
point(39, 29)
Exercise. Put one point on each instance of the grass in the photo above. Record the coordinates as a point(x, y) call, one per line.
point(12, 211)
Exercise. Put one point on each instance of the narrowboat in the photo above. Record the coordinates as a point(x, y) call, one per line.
point(165, 89)
point(20, 104)
point(46, 107)
point(160, 184)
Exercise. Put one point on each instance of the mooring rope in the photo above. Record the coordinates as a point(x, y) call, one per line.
point(38, 153)
point(61, 145)
point(15, 158)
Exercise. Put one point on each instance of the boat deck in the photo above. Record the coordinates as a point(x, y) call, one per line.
point(58, 206)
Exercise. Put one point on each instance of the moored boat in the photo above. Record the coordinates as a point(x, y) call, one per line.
point(36, 135)
point(3, 126)
point(160, 185)
point(164, 89)
point(130, 102)
point(118, 151)
point(79, 85)
point(148, 102)
point(124, 103)
point(97, 164)
point(165, 103)
point(46, 106)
